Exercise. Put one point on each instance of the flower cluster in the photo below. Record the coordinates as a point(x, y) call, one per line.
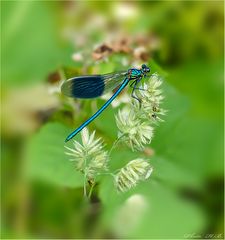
point(151, 98)
point(135, 122)
point(135, 171)
point(132, 130)
point(135, 125)
point(89, 157)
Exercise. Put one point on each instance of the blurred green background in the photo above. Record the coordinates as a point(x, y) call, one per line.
point(43, 43)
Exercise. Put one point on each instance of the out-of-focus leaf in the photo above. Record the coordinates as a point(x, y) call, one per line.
point(172, 175)
point(190, 142)
point(46, 159)
point(166, 210)
point(106, 122)
point(30, 42)
point(160, 206)
point(203, 82)
point(155, 68)
point(186, 140)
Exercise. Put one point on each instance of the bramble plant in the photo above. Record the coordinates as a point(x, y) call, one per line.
point(135, 129)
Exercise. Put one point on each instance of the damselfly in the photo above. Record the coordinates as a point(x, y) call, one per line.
point(93, 86)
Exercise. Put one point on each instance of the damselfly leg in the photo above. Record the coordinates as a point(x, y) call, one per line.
point(135, 83)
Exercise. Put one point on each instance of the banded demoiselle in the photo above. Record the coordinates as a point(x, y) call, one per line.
point(93, 86)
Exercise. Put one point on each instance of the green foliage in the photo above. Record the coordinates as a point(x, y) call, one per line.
point(164, 210)
point(31, 47)
point(47, 161)
point(42, 191)
point(102, 123)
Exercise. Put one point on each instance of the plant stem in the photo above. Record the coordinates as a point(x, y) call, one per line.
point(85, 189)
point(91, 190)
point(115, 143)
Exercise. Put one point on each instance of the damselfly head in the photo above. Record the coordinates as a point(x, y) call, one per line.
point(145, 69)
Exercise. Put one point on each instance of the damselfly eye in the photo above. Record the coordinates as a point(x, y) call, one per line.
point(143, 66)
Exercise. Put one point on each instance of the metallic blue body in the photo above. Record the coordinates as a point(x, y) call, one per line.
point(97, 85)
point(123, 85)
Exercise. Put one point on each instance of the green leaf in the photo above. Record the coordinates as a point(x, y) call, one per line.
point(106, 121)
point(172, 175)
point(167, 215)
point(155, 68)
point(191, 142)
point(31, 46)
point(163, 214)
point(46, 159)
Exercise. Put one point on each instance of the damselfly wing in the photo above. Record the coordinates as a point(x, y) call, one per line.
point(92, 86)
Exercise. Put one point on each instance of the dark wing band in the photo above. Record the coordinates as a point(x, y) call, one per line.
point(92, 86)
